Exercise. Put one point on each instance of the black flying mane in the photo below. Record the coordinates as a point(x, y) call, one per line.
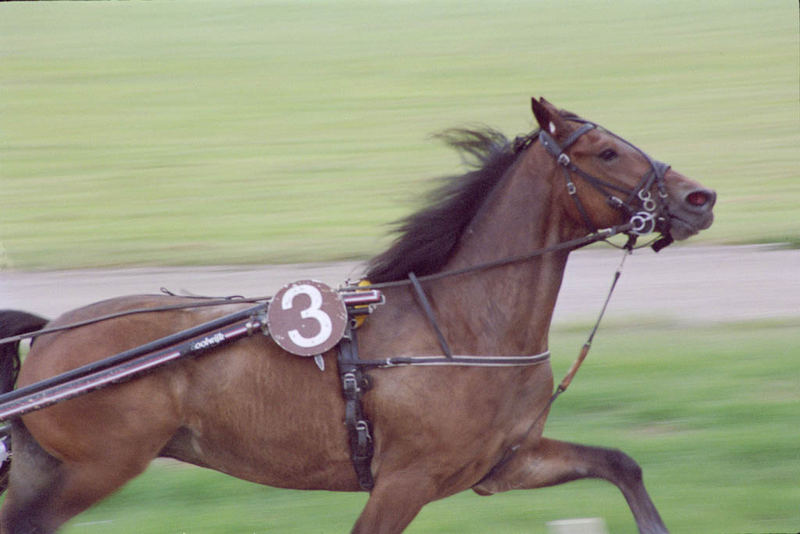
point(428, 237)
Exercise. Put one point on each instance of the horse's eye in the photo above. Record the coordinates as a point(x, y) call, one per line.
point(608, 154)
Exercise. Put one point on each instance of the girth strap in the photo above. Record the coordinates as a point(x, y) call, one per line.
point(354, 383)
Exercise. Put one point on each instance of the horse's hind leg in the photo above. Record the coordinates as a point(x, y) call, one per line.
point(548, 462)
point(44, 492)
point(34, 475)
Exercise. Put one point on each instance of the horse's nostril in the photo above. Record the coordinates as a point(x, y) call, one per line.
point(701, 198)
point(697, 198)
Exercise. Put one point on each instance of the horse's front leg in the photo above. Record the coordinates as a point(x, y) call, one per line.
point(394, 502)
point(546, 462)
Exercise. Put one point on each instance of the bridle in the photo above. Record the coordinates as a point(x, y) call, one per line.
point(644, 213)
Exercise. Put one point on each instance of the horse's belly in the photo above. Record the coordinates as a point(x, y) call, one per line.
point(267, 417)
point(297, 467)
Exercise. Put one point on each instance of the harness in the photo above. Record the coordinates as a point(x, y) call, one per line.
point(643, 213)
point(355, 382)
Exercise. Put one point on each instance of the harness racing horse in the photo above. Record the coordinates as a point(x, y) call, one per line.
point(254, 411)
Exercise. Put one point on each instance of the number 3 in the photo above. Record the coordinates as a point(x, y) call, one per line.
point(314, 312)
point(307, 329)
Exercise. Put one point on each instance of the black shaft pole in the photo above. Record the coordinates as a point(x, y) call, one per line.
point(122, 357)
point(129, 369)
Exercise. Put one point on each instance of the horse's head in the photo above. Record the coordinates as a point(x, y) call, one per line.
point(608, 181)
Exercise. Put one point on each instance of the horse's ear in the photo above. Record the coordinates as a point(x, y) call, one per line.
point(548, 117)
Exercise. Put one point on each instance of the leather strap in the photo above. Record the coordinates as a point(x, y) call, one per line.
point(426, 306)
point(354, 383)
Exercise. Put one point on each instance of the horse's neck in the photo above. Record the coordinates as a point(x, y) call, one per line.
point(507, 310)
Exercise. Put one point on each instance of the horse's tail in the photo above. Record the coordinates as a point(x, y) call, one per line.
point(12, 323)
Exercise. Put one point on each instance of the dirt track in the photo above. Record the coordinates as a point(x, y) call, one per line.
point(687, 284)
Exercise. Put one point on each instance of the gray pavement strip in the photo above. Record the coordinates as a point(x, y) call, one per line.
point(695, 284)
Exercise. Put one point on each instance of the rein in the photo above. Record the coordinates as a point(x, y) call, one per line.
point(573, 370)
point(600, 235)
point(136, 311)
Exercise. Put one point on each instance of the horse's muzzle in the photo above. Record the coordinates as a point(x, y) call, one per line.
point(691, 211)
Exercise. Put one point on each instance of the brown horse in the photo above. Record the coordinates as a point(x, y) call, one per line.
point(258, 413)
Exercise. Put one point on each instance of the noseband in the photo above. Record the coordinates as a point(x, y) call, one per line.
point(644, 213)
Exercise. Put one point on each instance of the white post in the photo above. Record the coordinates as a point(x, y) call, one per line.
point(589, 525)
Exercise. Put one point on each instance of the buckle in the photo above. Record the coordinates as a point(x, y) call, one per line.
point(643, 223)
point(350, 384)
point(563, 160)
point(647, 200)
point(362, 427)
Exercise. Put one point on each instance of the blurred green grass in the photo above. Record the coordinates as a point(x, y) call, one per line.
point(709, 412)
point(258, 132)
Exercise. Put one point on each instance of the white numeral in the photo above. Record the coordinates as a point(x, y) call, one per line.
point(312, 312)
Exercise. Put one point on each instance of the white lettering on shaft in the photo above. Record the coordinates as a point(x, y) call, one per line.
point(210, 341)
